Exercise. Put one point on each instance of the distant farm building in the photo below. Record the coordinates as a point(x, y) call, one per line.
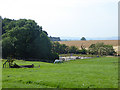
point(54, 38)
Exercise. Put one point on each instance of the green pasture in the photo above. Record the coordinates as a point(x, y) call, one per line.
point(87, 73)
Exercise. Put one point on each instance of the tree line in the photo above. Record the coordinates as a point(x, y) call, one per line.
point(94, 49)
point(64, 49)
point(26, 39)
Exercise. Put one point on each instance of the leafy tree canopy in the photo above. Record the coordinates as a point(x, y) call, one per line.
point(101, 49)
point(83, 38)
point(25, 39)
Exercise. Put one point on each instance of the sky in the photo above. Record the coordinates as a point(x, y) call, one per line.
point(67, 18)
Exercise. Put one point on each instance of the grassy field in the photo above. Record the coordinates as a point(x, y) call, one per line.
point(88, 73)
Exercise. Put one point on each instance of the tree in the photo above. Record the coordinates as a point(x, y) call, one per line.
point(59, 48)
point(64, 49)
point(101, 49)
point(83, 39)
point(25, 39)
point(83, 50)
point(21, 37)
point(73, 49)
point(45, 32)
point(7, 24)
point(56, 47)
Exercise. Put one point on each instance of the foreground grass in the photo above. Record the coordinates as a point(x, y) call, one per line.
point(87, 73)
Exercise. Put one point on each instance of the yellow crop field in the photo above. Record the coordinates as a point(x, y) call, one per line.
point(87, 43)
